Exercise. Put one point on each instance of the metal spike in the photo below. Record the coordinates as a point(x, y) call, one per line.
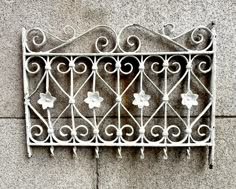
point(97, 152)
point(165, 153)
point(52, 151)
point(75, 152)
point(142, 153)
point(188, 153)
point(119, 156)
point(29, 150)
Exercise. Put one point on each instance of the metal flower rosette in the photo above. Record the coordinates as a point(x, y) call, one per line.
point(135, 88)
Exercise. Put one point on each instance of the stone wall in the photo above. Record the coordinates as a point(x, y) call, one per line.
point(62, 171)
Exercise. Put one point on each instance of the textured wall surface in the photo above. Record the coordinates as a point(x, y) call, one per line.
point(41, 171)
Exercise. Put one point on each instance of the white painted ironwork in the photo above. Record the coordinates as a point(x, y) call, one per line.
point(124, 58)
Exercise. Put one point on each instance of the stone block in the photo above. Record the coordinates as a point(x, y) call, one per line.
point(177, 171)
point(82, 15)
point(41, 170)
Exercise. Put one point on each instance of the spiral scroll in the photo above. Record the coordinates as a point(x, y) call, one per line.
point(126, 41)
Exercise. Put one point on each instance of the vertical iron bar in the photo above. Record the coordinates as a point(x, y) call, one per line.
point(141, 69)
point(72, 101)
point(213, 90)
point(94, 69)
point(165, 64)
point(189, 67)
point(118, 100)
point(50, 129)
point(26, 94)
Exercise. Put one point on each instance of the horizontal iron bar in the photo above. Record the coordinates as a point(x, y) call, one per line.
point(119, 54)
point(115, 117)
point(122, 144)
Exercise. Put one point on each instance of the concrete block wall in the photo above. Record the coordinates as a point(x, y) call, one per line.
point(42, 171)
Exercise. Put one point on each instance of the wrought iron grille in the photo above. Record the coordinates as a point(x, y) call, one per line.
point(119, 94)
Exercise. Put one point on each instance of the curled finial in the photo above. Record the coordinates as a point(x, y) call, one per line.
point(188, 153)
point(142, 153)
point(168, 29)
point(103, 41)
point(119, 156)
point(165, 153)
point(29, 150)
point(97, 152)
point(75, 152)
point(38, 37)
point(69, 31)
point(211, 25)
point(211, 157)
point(132, 43)
point(52, 151)
point(200, 35)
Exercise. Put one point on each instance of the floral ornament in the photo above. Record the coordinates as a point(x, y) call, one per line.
point(189, 99)
point(141, 99)
point(46, 100)
point(93, 100)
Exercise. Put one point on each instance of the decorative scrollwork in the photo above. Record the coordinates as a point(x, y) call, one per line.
point(127, 126)
point(61, 65)
point(40, 128)
point(108, 133)
point(128, 65)
point(158, 62)
point(102, 42)
point(176, 63)
point(35, 63)
point(202, 63)
point(38, 37)
point(83, 127)
point(38, 133)
point(76, 64)
point(70, 32)
point(200, 135)
point(109, 62)
point(173, 131)
point(131, 44)
point(131, 107)
point(155, 134)
point(109, 41)
point(197, 36)
point(63, 129)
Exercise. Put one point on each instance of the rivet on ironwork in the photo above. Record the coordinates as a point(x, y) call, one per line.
point(73, 133)
point(94, 67)
point(189, 65)
point(50, 131)
point(48, 66)
point(188, 131)
point(165, 98)
point(95, 131)
point(165, 64)
point(119, 132)
point(141, 66)
point(141, 131)
point(71, 100)
point(118, 99)
point(71, 64)
point(118, 65)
